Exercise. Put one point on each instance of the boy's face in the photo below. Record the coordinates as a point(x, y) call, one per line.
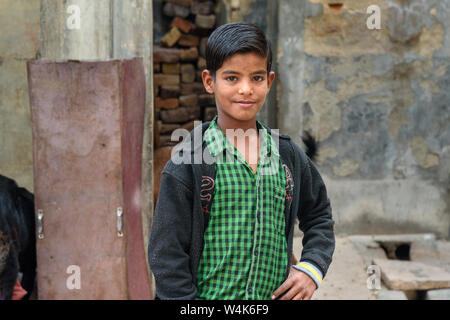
point(241, 86)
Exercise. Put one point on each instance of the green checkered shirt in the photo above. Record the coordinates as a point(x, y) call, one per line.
point(245, 250)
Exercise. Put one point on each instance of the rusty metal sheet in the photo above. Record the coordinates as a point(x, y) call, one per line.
point(87, 144)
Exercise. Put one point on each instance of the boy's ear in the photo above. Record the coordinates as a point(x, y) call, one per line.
point(270, 78)
point(208, 81)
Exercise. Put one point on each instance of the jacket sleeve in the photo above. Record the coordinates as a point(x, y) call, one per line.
point(170, 237)
point(315, 218)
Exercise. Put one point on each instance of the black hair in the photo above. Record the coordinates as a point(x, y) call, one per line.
point(17, 238)
point(236, 37)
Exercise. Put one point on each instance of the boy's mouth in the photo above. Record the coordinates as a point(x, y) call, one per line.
point(245, 103)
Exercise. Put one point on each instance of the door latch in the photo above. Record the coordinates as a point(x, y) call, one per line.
point(40, 224)
point(119, 222)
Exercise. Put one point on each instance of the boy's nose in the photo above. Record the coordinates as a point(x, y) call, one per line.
point(246, 88)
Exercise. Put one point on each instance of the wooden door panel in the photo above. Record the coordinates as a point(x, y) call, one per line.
point(82, 173)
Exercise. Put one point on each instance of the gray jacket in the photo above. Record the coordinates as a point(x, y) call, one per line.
point(176, 238)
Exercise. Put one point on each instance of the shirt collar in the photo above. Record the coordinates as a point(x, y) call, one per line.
point(217, 142)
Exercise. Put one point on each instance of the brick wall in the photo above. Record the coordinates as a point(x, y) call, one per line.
point(179, 58)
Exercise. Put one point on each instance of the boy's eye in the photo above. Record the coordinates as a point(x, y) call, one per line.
point(258, 78)
point(231, 78)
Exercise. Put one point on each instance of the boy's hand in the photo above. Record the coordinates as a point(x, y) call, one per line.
point(298, 286)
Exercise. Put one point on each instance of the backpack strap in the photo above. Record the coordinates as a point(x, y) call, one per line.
point(207, 190)
point(208, 185)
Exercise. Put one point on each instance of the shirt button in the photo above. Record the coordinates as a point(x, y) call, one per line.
point(256, 252)
point(249, 290)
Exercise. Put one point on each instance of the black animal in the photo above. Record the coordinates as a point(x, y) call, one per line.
point(311, 145)
point(17, 238)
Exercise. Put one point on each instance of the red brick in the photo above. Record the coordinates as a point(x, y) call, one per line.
point(180, 115)
point(204, 7)
point(188, 40)
point(189, 101)
point(190, 88)
point(189, 54)
point(165, 55)
point(166, 79)
point(205, 21)
point(171, 103)
point(169, 92)
point(165, 140)
point(171, 37)
point(182, 24)
point(187, 73)
point(171, 68)
point(168, 127)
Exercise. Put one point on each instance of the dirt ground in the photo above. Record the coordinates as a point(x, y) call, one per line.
point(346, 278)
point(347, 275)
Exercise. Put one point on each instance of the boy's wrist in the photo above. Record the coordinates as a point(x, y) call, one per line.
point(311, 270)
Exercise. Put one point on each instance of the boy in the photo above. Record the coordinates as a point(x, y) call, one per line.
point(241, 247)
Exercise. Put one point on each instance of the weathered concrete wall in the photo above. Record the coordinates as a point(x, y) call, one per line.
point(19, 41)
point(378, 101)
point(92, 40)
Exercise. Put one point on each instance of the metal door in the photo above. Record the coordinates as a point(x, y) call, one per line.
point(87, 142)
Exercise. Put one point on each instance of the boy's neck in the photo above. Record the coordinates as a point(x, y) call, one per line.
point(250, 154)
point(225, 123)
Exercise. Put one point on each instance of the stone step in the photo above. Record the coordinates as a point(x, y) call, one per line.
point(409, 275)
point(371, 246)
point(368, 249)
point(439, 256)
